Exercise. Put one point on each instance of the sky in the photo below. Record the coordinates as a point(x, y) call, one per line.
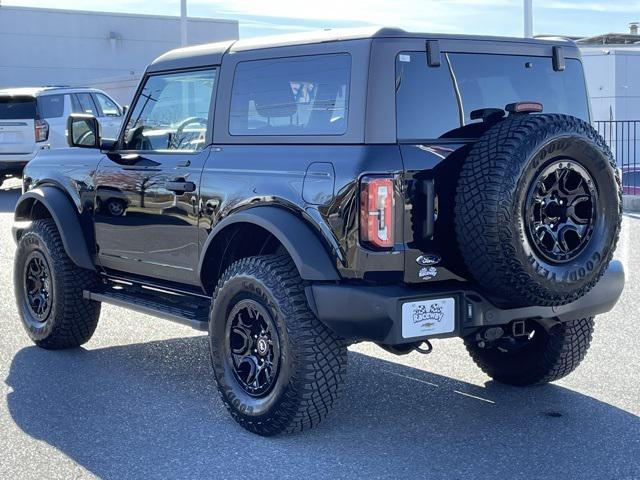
point(485, 17)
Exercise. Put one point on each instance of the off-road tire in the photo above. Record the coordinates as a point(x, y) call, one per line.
point(490, 219)
point(313, 359)
point(548, 356)
point(72, 319)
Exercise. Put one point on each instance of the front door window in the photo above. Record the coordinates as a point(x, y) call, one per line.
point(171, 113)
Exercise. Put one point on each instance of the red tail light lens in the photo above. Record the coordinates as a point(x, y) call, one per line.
point(376, 211)
point(42, 130)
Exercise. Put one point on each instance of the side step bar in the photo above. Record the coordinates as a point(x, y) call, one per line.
point(188, 310)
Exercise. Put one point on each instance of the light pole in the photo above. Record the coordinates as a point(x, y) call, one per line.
point(183, 23)
point(528, 18)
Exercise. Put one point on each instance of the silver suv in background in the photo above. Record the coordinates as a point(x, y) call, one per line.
point(33, 119)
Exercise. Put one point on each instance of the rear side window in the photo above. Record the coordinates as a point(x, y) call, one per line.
point(83, 103)
point(51, 106)
point(17, 108)
point(431, 102)
point(291, 96)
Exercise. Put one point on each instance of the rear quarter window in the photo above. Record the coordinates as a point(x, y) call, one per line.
point(306, 95)
point(51, 106)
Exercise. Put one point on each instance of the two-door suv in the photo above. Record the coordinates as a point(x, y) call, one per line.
point(297, 194)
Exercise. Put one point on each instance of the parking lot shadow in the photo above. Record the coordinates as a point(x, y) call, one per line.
point(8, 199)
point(151, 410)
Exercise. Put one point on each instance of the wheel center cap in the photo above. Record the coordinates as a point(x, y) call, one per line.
point(262, 347)
point(554, 209)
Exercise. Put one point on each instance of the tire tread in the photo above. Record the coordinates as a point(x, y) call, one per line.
point(564, 349)
point(484, 208)
point(76, 318)
point(320, 355)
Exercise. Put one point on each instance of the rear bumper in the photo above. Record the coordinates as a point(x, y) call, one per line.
point(374, 313)
point(14, 163)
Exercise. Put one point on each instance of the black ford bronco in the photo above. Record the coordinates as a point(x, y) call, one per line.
point(297, 194)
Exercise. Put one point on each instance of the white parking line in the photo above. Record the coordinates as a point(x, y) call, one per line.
point(411, 378)
point(474, 396)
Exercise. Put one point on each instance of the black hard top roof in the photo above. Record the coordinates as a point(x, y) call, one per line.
point(211, 54)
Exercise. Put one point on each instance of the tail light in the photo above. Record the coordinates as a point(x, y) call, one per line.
point(42, 130)
point(376, 211)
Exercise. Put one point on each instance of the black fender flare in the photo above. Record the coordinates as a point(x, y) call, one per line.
point(310, 256)
point(64, 214)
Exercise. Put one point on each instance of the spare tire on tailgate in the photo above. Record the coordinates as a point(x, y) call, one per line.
point(538, 210)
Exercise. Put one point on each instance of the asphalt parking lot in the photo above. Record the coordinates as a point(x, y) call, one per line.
point(138, 401)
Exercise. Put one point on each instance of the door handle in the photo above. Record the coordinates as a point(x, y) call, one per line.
point(180, 186)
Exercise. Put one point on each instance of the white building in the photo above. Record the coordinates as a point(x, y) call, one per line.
point(40, 46)
point(613, 79)
point(612, 67)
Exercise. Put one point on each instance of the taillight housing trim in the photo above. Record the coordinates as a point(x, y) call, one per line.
point(377, 215)
point(41, 128)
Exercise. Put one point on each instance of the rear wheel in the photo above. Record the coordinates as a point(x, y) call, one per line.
point(539, 358)
point(48, 288)
point(277, 367)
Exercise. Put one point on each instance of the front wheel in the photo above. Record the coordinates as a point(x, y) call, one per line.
point(277, 367)
point(48, 288)
point(539, 358)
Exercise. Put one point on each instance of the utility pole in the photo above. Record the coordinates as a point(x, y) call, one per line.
point(528, 18)
point(183, 23)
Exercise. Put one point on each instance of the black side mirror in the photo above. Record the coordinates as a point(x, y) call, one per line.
point(108, 144)
point(125, 109)
point(83, 130)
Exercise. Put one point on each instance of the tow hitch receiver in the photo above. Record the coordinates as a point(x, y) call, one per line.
point(518, 328)
point(499, 335)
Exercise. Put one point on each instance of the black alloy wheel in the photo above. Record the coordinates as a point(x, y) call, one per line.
point(561, 211)
point(277, 367)
point(254, 347)
point(49, 289)
point(37, 285)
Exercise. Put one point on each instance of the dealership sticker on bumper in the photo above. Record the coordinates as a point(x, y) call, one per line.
point(428, 317)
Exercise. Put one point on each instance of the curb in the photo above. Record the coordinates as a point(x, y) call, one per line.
point(631, 203)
